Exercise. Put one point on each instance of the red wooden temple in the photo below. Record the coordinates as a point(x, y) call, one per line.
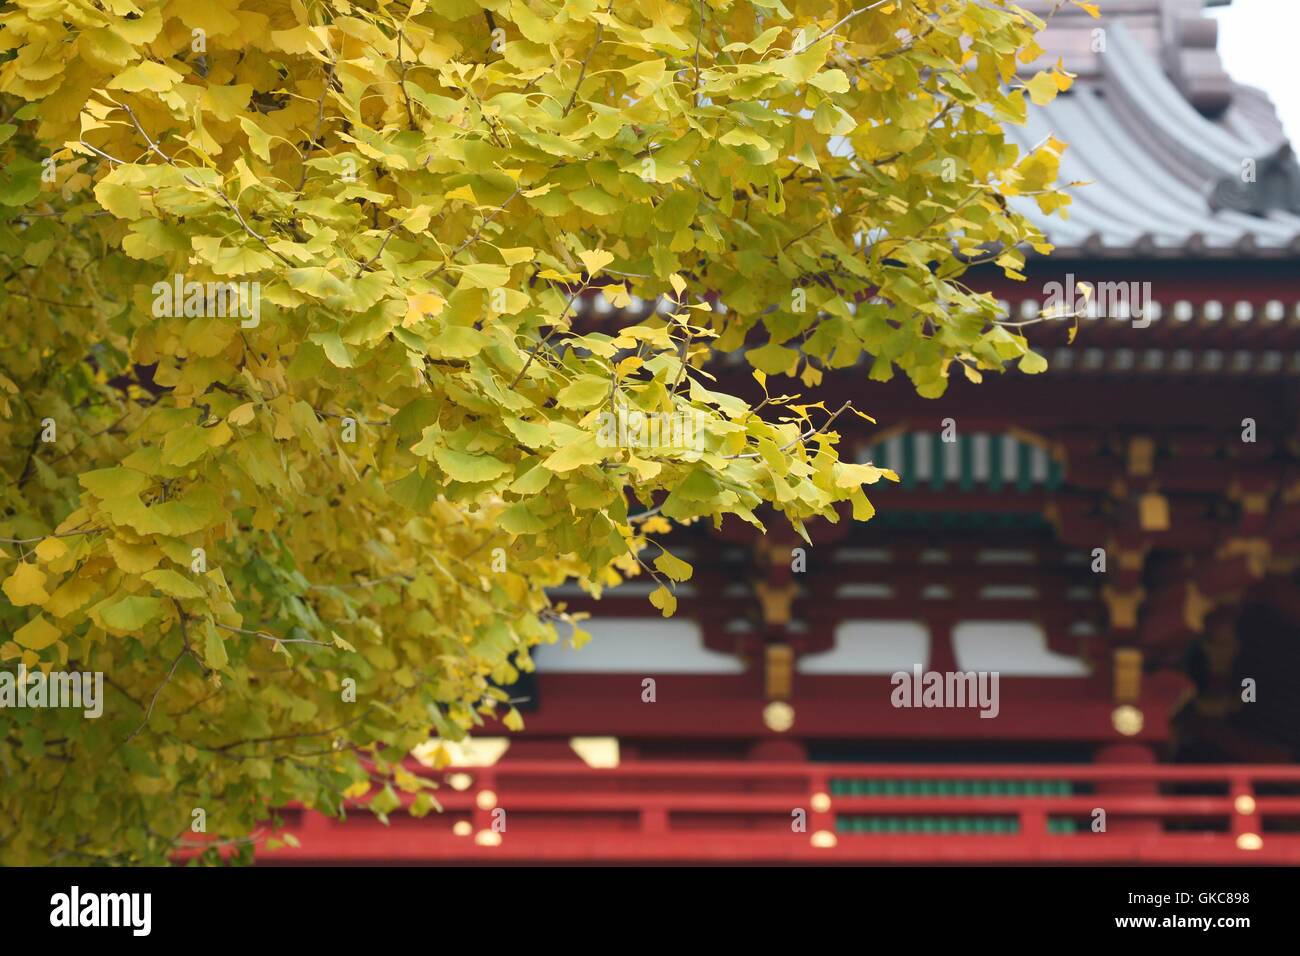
point(1158, 693)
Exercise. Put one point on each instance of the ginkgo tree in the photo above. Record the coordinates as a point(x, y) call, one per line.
point(299, 416)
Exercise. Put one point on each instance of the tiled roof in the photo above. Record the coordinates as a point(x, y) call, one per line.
point(1182, 162)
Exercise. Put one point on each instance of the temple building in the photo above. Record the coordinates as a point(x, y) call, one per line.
point(1110, 550)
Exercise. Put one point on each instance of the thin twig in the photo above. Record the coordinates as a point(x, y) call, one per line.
point(272, 637)
point(582, 74)
point(699, 36)
point(542, 342)
point(410, 113)
point(65, 534)
point(158, 690)
point(154, 148)
point(320, 116)
point(804, 436)
point(474, 236)
point(845, 19)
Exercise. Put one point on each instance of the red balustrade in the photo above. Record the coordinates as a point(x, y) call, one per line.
point(712, 812)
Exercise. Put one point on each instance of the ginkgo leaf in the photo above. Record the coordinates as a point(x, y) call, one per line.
point(460, 466)
point(849, 475)
point(1042, 88)
point(584, 451)
point(37, 634)
point(518, 519)
point(584, 392)
point(26, 585)
point(51, 549)
point(1031, 363)
point(147, 75)
point(131, 613)
point(173, 584)
point(134, 557)
point(674, 567)
point(595, 260)
point(664, 599)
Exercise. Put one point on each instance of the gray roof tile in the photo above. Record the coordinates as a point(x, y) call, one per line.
point(1166, 177)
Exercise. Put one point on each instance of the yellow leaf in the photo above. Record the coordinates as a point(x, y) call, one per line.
point(37, 633)
point(51, 549)
point(515, 256)
point(26, 585)
point(134, 558)
point(664, 599)
point(70, 596)
point(595, 260)
point(356, 790)
point(674, 567)
point(1042, 88)
point(849, 475)
point(145, 76)
point(584, 451)
point(420, 305)
point(173, 584)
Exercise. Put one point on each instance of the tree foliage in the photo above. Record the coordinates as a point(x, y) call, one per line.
point(416, 196)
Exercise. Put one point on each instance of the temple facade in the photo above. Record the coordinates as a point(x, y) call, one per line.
point(1072, 631)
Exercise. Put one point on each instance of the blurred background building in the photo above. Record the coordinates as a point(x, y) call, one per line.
point(1163, 690)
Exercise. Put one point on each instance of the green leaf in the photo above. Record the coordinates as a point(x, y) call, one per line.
point(584, 392)
point(131, 613)
point(20, 182)
point(584, 451)
point(114, 482)
point(173, 584)
point(460, 466)
point(214, 649)
point(185, 445)
point(1031, 363)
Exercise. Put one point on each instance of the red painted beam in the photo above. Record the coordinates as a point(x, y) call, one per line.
point(833, 707)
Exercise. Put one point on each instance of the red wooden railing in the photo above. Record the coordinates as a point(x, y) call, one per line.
point(553, 811)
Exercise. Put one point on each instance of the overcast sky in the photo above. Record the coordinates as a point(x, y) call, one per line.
point(1258, 43)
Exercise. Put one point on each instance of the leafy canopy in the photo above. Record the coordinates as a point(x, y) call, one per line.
point(300, 538)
